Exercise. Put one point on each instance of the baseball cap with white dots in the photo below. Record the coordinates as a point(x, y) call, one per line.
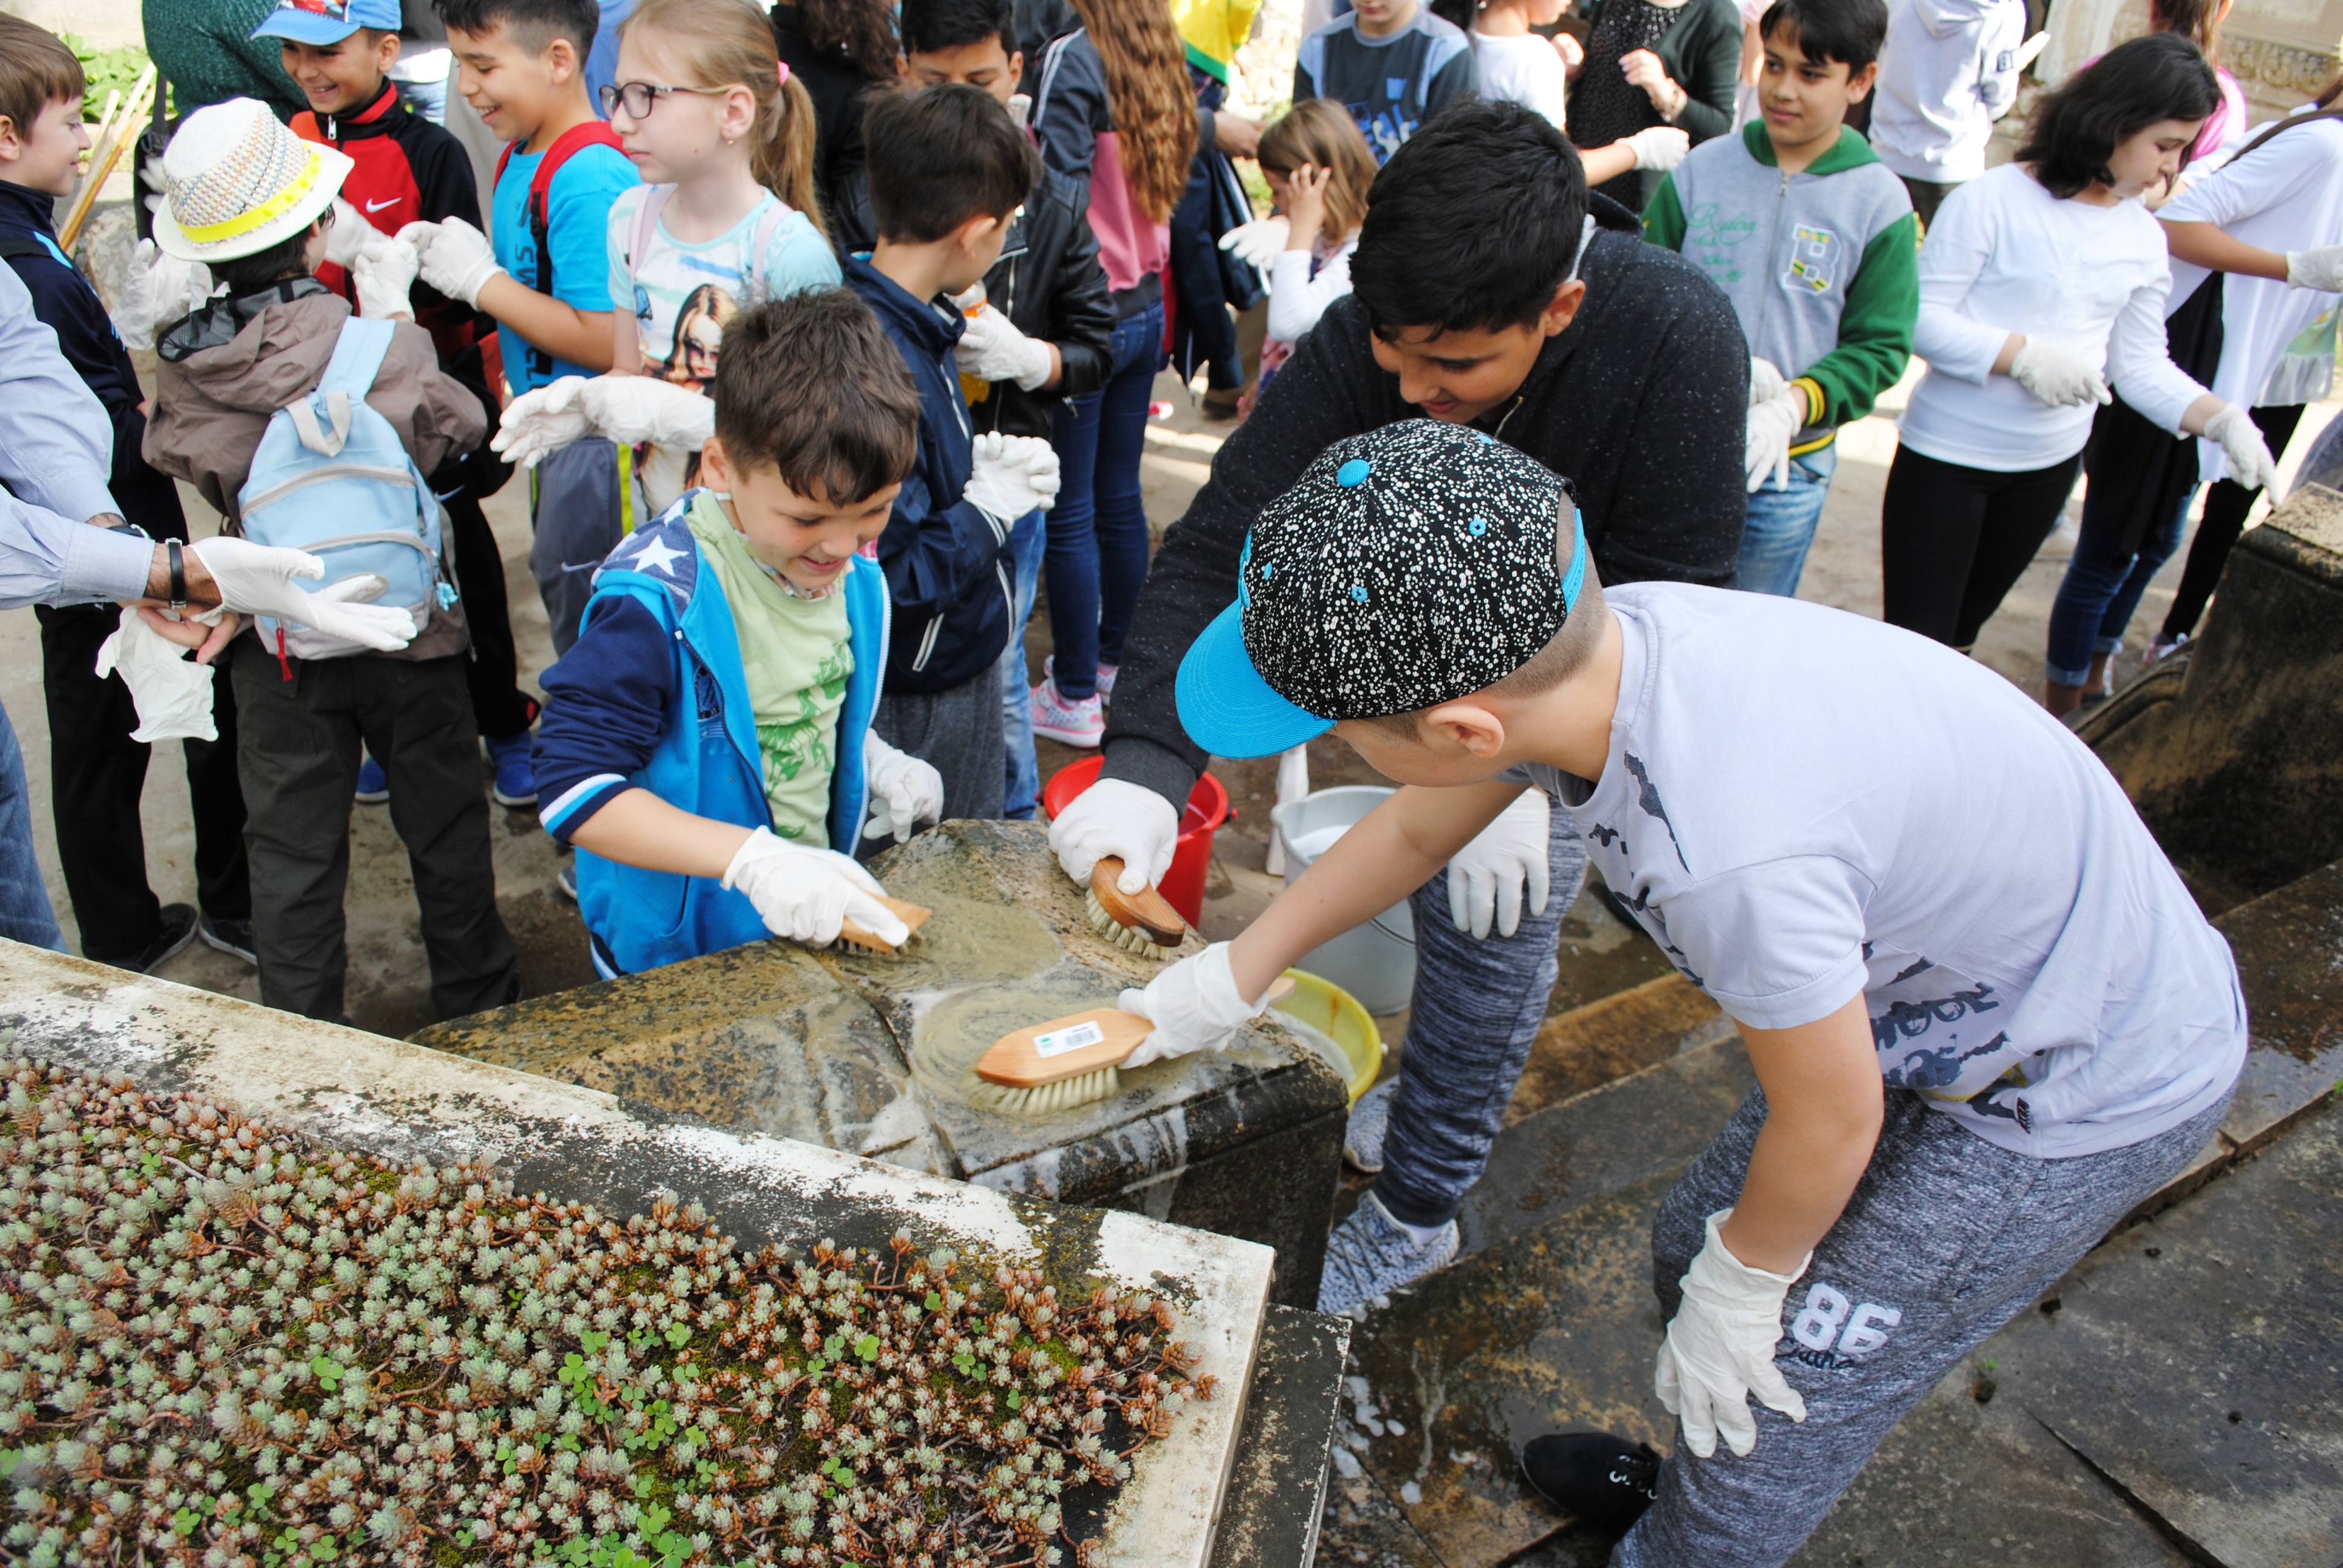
point(1409, 566)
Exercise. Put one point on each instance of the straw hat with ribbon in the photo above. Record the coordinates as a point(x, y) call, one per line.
point(236, 181)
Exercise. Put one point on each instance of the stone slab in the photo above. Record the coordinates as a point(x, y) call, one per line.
point(2289, 951)
point(2195, 1359)
point(1584, 1047)
point(399, 1101)
point(1280, 1490)
point(1592, 1146)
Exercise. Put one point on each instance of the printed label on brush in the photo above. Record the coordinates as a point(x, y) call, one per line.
point(1066, 1039)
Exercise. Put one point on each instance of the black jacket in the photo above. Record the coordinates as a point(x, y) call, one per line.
point(1702, 52)
point(1641, 402)
point(68, 305)
point(840, 92)
point(1049, 282)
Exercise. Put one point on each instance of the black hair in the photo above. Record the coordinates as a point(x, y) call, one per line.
point(251, 274)
point(2076, 129)
point(1473, 224)
point(535, 22)
point(812, 384)
point(1848, 31)
point(928, 25)
point(939, 157)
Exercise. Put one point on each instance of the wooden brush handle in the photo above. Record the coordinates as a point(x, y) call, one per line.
point(1015, 1060)
point(910, 914)
point(1146, 910)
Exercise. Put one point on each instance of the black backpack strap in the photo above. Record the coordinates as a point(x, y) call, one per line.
point(13, 246)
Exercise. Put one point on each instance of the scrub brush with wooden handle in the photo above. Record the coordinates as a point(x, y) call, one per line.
point(1068, 1061)
point(1145, 922)
point(850, 935)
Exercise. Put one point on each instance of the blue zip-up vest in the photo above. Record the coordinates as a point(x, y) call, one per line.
point(708, 762)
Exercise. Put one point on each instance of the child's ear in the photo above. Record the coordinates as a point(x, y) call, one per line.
point(560, 57)
point(1562, 309)
point(12, 145)
point(1468, 726)
point(1859, 84)
point(386, 52)
point(715, 466)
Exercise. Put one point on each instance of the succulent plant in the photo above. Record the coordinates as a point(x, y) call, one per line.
point(224, 1343)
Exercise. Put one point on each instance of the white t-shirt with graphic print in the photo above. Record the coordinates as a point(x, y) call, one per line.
point(682, 294)
point(1803, 805)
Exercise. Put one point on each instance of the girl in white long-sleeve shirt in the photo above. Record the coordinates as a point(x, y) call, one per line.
point(1318, 169)
point(2041, 282)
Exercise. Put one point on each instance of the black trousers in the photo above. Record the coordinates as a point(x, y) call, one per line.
point(1954, 540)
point(298, 751)
point(97, 775)
point(2226, 505)
point(492, 673)
point(1927, 196)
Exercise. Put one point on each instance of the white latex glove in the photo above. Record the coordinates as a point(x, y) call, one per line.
point(257, 580)
point(1773, 425)
point(383, 274)
point(904, 790)
point(1011, 475)
point(2032, 48)
point(456, 257)
point(1193, 1005)
point(991, 348)
point(1659, 148)
point(2321, 270)
point(1765, 380)
point(2250, 463)
point(806, 894)
point(542, 421)
point(1720, 1349)
point(1114, 818)
point(2057, 374)
point(1258, 243)
point(172, 692)
point(163, 290)
point(630, 409)
point(346, 237)
point(1488, 877)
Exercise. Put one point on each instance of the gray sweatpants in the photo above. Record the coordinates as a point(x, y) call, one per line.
point(1947, 1238)
point(958, 733)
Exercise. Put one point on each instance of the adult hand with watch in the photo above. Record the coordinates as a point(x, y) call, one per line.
point(1644, 69)
point(207, 586)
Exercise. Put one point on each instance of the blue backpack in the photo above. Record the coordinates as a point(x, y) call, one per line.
point(332, 478)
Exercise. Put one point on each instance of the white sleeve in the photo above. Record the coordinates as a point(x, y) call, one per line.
point(1776, 945)
point(2139, 358)
point(1296, 300)
point(1958, 245)
point(2241, 188)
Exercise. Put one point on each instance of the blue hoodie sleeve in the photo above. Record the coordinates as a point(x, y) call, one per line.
point(607, 701)
point(931, 554)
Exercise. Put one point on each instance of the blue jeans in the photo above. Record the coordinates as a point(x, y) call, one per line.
point(1478, 1006)
point(1779, 525)
point(1026, 540)
point(2102, 589)
point(24, 912)
point(1097, 530)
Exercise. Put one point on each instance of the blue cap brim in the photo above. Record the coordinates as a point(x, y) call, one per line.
point(1225, 704)
point(305, 27)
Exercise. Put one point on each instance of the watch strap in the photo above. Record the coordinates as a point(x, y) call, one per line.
point(178, 575)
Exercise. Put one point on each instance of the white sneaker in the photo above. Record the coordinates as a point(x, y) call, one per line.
point(1363, 1140)
point(1082, 723)
point(1371, 1255)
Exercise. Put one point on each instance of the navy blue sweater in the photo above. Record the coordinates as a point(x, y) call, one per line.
point(947, 569)
point(68, 305)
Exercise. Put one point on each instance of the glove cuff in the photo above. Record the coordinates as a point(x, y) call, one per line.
point(1217, 993)
point(753, 848)
point(1725, 1276)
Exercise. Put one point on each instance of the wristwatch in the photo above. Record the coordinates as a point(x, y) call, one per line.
point(178, 600)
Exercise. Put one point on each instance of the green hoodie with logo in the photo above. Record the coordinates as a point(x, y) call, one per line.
point(1822, 266)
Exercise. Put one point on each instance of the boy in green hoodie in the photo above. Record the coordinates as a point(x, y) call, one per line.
point(1813, 239)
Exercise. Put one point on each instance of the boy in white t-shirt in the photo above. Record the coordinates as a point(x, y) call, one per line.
point(1985, 1017)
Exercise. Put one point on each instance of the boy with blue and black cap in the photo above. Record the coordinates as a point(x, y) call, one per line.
point(1971, 1066)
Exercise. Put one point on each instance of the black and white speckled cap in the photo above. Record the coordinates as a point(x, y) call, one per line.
point(1409, 566)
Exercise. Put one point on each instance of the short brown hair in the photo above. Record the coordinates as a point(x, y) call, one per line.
point(939, 157)
point(36, 70)
point(813, 386)
point(1319, 132)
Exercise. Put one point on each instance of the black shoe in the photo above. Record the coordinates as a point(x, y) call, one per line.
point(231, 937)
point(1594, 1476)
point(173, 932)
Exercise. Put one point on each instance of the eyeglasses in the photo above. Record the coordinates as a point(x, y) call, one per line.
point(638, 96)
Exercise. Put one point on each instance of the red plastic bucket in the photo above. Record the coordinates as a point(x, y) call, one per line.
point(1208, 807)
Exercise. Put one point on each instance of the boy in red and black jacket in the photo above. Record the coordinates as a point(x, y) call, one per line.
point(97, 772)
point(408, 170)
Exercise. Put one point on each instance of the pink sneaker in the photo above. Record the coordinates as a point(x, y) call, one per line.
point(1105, 682)
point(1082, 724)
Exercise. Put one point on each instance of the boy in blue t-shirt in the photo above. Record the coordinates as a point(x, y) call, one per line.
point(1391, 62)
point(523, 69)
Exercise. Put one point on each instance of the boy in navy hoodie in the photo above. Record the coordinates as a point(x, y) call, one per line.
point(97, 774)
point(948, 170)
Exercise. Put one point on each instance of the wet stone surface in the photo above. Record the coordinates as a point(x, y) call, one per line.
point(1280, 1480)
point(2290, 948)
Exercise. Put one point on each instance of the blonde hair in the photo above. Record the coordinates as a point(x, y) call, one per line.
point(729, 43)
point(1150, 96)
point(1321, 132)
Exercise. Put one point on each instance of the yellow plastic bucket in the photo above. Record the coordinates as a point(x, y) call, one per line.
point(1335, 1018)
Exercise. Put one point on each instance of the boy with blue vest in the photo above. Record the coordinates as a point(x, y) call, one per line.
point(1813, 239)
point(747, 611)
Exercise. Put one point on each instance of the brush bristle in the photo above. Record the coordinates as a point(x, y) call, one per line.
point(1123, 936)
point(1063, 1095)
point(842, 943)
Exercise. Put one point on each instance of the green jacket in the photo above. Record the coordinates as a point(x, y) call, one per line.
point(1822, 266)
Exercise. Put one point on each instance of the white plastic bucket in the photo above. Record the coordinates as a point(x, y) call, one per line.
point(1375, 961)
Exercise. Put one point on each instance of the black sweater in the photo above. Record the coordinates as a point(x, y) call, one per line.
point(1640, 402)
